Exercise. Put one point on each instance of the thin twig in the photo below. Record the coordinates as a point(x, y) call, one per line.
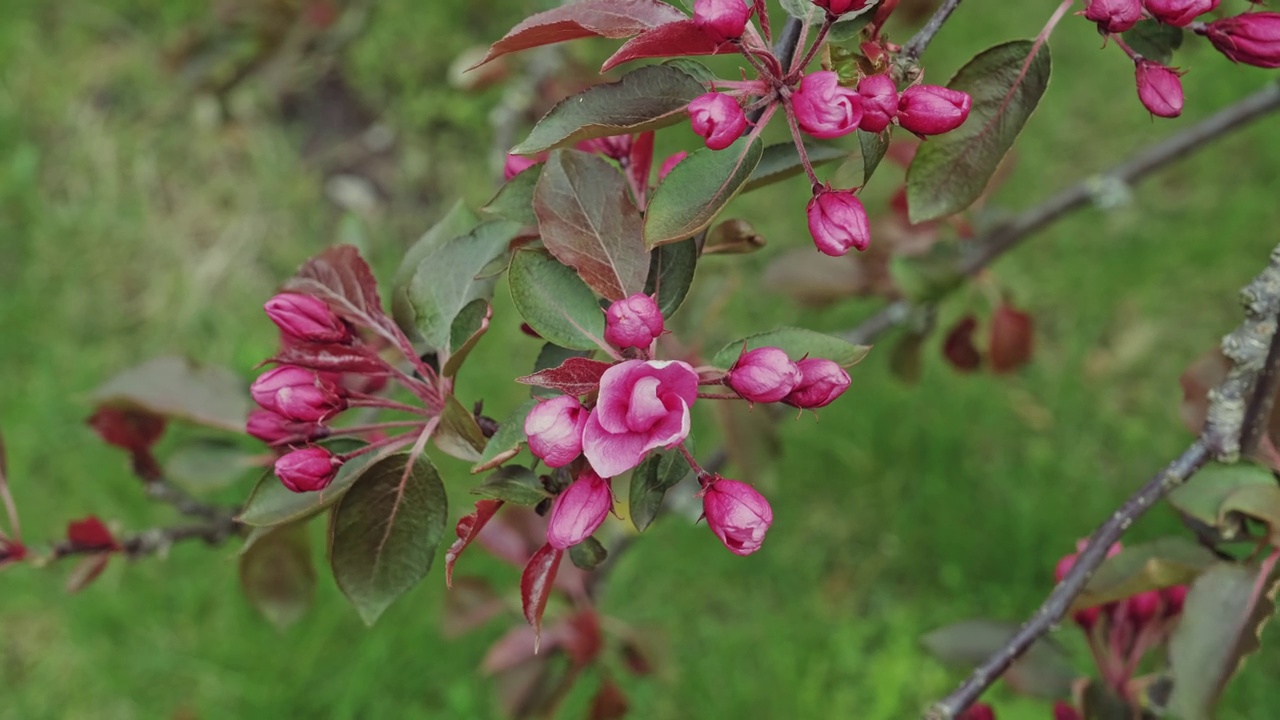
point(916, 46)
point(1257, 371)
point(1010, 234)
point(157, 540)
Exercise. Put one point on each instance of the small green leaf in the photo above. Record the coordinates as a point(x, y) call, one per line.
point(459, 434)
point(1138, 568)
point(469, 326)
point(205, 464)
point(951, 171)
point(874, 146)
point(505, 444)
point(691, 196)
point(384, 533)
point(1154, 40)
point(1260, 502)
point(646, 99)
point(270, 503)
point(514, 484)
point(277, 574)
point(693, 69)
point(555, 302)
point(1043, 671)
point(180, 389)
point(671, 269)
point(588, 554)
point(514, 200)
point(797, 343)
point(650, 482)
point(457, 222)
point(781, 161)
point(847, 28)
point(803, 10)
point(1203, 495)
point(1221, 622)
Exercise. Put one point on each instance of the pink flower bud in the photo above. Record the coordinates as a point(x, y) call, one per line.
point(840, 7)
point(1064, 711)
point(635, 321)
point(1174, 598)
point(308, 469)
point(298, 394)
point(1114, 16)
point(516, 164)
point(1179, 13)
point(1159, 89)
point(737, 514)
point(837, 222)
point(1143, 607)
point(1064, 566)
point(721, 20)
point(933, 110)
point(306, 318)
point(718, 119)
point(670, 164)
point(273, 428)
point(879, 102)
point(1252, 38)
point(763, 375)
point(981, 711)
point(823, 108)
point(554, 428)
point(821, 382)
point(1087, 618)
point(579, 510)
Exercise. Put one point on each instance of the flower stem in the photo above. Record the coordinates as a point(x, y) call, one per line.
point(799, 64)
point(393, 441)
point(372, 401)
point(799, 140)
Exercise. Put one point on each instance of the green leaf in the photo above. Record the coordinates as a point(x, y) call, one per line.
point(1221, 621)
point(781, 161)
point(555, 302)
point(803, 10)
point(1202, 496)
point(1043, 671)
point(384, 533)
point(588, 222)
point(514, 484)
point(874, 146)
point(514, 200)
point(797, 343)
point(847, 28)
point(204, 464)
point(271, 503)
point(588, 554)
point(180, 389)
point(1138, 568)
point(505, 444)
point(950, 171)
point(277, 574)
point(457, 222)
point(693, 69)
point(671, 270)
point(459, 434)
point(468, 327)
point(691, 196)
point(1154, 40)
point(445, 281)
point(650, 482)
point(1259, 502)
point(646, 99)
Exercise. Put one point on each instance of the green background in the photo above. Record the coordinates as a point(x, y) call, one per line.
point(138, 219)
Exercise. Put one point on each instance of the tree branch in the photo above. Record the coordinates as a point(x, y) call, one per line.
point(1009, 235)
point(916, 46)
point(157, 540)
point(1256, 343)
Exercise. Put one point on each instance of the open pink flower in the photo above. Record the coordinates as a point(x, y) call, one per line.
point(644, 404)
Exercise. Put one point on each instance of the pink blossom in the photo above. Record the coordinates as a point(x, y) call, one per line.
point(879, 102)
point(718, 119)
point(298, 394)
point(1114, 16)
point(579, 510)
point(765, 374)
point(554, 428)
point(737, 514)
point(1252, 38)
point(1159, 89)
point(823, 108)
point(933, 110)
point(823, 382)
point(838, 222)
point(643, 404)
point(721, 20)
point(308, 469)
point(272, 428)
point(840, 7)
point(306, 318)
point(635, 321)
point(1179, 13)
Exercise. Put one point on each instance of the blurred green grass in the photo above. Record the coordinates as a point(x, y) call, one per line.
point(130, 228)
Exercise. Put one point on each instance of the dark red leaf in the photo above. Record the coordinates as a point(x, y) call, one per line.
point(639, 165)
point(958, 347)
point(635, 658)
point(1012, 339)
point(592, 18)
point(469, 526)
point(91, 534)
point(609, 702)
point(328, 358)
point(536, 583)
point(581, 637)
point(341, 278)
point(670, 40)
point(11, 552)
point(575, 376)
point(132, 430)
point(86, 571)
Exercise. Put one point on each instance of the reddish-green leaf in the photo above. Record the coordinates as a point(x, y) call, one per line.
point(129, 429)
point(468, 327)
point(342, 278)
point(505, 444)
point(695, 192)
point(278, 576)
point(270, 503)
point(671, 269)
point(514, 200)
point(469, 526)
point(950, 171)
point(575, 376)
point(1148, 566)
point(591, 18)
point(459, 434)
point(1043, 671)
point(1221, 622)
point(781, 161)
point(179, 389)
point(798, 343)
point(650, 482)
point(873, 146)
point(537, 582)
point(677, 39)
point(330, 358)
point(1260, 502)
point(588, 222)
point(514, 484)
point(646, 99)
point(555, 302)
point(1203, 495)
point(1154, 40)
point(1012, 339)
point(384, 532)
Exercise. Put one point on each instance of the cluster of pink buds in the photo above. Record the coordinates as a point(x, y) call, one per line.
point(1251, 38)
point(638, 404)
